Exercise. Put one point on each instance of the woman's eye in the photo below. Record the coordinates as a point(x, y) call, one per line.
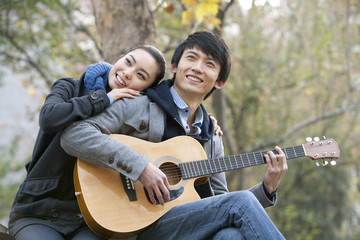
point(142, 76)
point(128, 61)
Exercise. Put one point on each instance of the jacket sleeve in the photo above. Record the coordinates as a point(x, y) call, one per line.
point(89, 140)
point(259, 192)
point(218, 181)
point(219, 185)
point(64, 105)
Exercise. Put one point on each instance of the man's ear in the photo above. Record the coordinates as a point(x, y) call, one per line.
point(219, 84)
point(173, 68)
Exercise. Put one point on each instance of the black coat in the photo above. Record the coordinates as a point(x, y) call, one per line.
point(47, 193)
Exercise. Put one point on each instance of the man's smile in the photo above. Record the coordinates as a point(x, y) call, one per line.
point(194, 79)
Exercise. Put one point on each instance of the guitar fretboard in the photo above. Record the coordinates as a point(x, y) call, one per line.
point(211, 166)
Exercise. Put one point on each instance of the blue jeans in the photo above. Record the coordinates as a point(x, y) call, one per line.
point(236, 215)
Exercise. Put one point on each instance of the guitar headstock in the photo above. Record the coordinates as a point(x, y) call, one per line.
point(322, 149)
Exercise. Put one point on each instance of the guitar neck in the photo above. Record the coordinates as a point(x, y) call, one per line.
point(210, 166)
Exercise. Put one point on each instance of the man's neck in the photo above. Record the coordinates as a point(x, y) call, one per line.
point(192, 100)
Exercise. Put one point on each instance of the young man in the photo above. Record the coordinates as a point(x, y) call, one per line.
point(201, 64)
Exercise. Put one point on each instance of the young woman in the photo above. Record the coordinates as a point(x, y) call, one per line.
point(45, 206)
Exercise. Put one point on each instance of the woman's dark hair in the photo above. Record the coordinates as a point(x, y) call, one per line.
point(212, 45)
point(159, 58)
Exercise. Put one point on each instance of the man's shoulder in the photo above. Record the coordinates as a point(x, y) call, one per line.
point(131, 105)
point(141, 99)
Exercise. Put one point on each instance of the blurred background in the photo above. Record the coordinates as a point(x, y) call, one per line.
point(295, 74)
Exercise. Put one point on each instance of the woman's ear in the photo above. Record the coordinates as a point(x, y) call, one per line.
point(173, 68)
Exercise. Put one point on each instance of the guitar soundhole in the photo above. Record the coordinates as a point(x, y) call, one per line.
point(172, 172)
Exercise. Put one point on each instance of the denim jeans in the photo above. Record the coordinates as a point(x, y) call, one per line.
point(236, 215)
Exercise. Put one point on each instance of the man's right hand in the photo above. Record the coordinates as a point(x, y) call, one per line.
point(155, 181)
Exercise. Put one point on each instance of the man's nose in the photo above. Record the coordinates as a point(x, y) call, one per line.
point(197, 66)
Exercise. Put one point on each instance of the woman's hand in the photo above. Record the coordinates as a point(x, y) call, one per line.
point(118, 93)
point(217, 128)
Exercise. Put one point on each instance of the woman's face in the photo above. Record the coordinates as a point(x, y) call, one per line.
point(136, 70)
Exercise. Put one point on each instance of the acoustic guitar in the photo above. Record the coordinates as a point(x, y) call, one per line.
point(113, 206)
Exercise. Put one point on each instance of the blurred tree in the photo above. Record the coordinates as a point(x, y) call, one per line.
point(294, 74)
point(123, 25)
point(42, 38)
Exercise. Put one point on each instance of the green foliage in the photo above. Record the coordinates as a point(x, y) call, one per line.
point(9, 167)
point(288, 68)
point(314, 203)
point(40, 35)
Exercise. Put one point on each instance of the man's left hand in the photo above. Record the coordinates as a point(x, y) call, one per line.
point(277, 167)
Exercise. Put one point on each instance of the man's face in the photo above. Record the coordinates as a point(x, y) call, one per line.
point(135, 70)
point(196, 73)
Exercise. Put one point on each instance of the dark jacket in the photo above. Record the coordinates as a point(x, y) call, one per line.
point(47, 192)
point(162, 96)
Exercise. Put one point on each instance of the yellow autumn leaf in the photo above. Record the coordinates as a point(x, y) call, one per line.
point(31, 92)
point(189, 3)
point(214, 21)
point(42, 98)
point(24, 82)
point(19, 23)
point(186, 17)
point(207, 8)
point(308, 91)
point(170, 8)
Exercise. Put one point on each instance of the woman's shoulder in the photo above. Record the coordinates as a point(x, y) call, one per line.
point(66, 82)
point(69, 85)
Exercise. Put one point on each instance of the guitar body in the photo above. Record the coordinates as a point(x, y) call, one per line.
point(104, 203)
point(115, 207)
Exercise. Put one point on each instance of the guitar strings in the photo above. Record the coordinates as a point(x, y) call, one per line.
point(195, 168)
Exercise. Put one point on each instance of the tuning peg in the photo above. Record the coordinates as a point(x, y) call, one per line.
point(308, 139)
point(316, 139)
point(333, 162)
point(317, 163)
point(324, 163)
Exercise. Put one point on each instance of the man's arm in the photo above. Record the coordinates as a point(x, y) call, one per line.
point(266, 196)
point(89, 141)
point(266, 191)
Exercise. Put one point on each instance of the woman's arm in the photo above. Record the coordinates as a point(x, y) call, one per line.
point(64, 106)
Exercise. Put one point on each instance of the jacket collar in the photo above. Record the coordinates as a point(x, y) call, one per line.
point(162, 96)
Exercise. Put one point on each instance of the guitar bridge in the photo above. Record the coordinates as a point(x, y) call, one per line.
point(129, 188)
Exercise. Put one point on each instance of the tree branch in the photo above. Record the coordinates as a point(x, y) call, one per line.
point(27, 58)
point(158, 7)
point(80, 27)
point(272, 143)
